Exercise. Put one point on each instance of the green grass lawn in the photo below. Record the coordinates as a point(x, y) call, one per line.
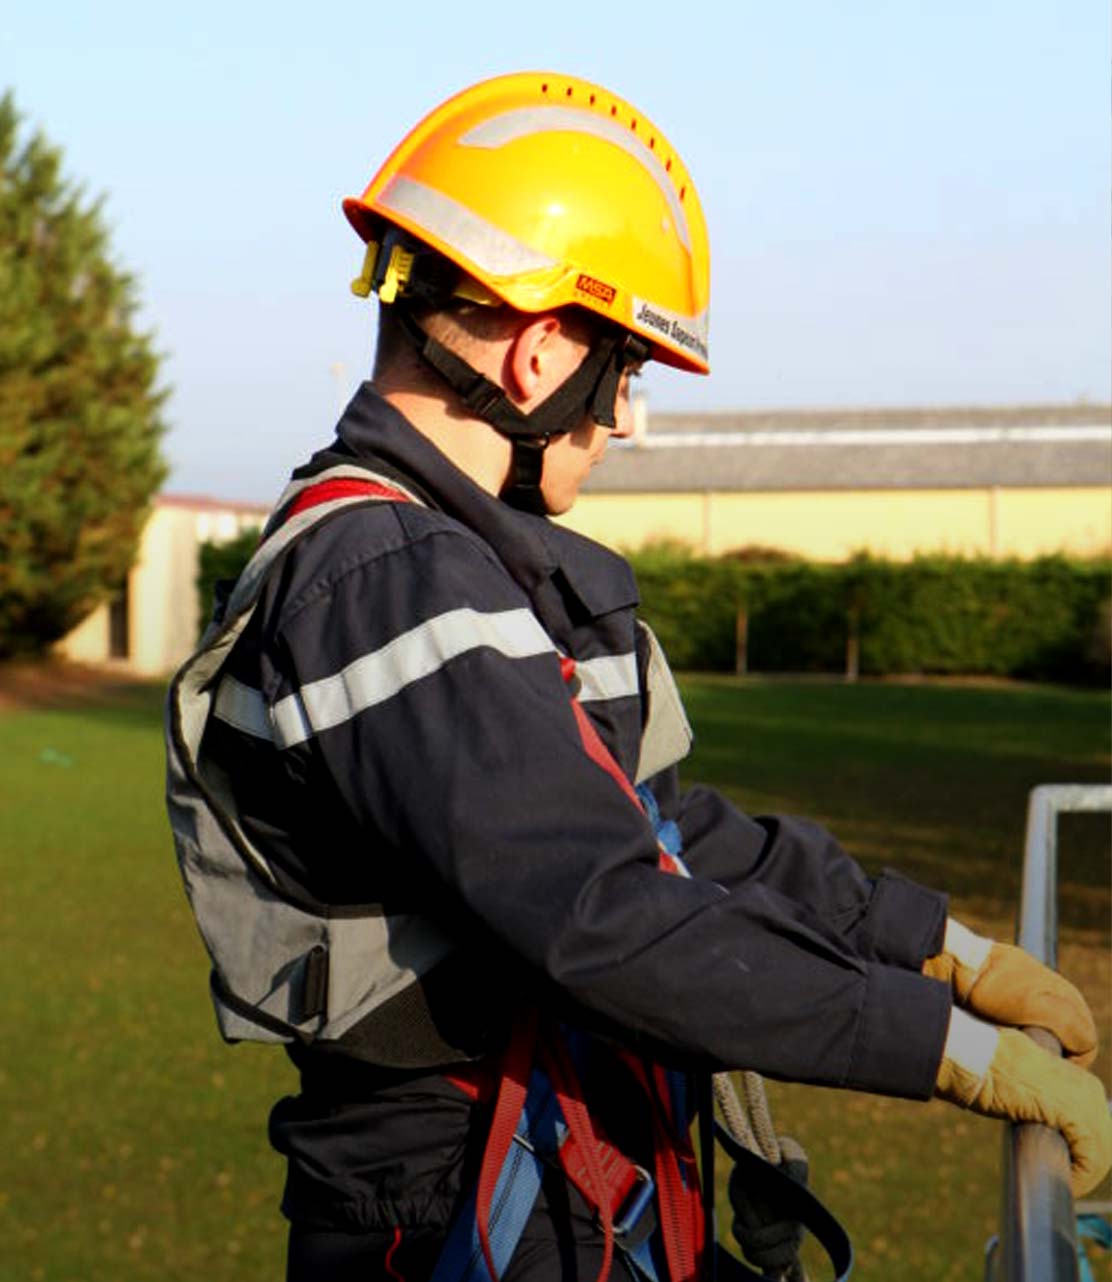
point(135, 1140)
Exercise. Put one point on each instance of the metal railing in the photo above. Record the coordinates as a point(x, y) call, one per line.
point(1038, 1236)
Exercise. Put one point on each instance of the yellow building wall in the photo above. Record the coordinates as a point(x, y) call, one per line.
point(830, 525)
point(1083, 518)
point(88, 642)
point(163, 622)
point(163, 617)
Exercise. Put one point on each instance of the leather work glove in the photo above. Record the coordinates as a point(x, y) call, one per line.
point(1001, 1072)
point(769, 1244)
point(1005, 985)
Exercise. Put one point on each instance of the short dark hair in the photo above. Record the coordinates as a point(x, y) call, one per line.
point(394, 348)
point(392, 345)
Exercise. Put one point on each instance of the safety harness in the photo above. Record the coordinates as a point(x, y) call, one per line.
point(319, 976)
point(406, 273)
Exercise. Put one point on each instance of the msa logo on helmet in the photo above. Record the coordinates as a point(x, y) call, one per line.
point(596, 288)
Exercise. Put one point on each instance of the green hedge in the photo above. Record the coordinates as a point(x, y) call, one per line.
point(1045, 619)
point(221, 562)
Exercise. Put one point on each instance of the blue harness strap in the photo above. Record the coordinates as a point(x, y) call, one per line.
point(537, 1140)
point(667, 830)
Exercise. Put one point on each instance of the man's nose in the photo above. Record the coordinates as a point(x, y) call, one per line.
point(623, 416)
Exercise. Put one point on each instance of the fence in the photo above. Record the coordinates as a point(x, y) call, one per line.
point(1038, 1235)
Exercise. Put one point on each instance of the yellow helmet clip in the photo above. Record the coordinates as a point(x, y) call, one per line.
point(394, 278)
point(361, 286)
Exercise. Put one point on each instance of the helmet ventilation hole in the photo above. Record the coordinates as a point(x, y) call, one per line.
point(544, 89)
point(592, 100)
point(683, 191)
point(567, 92)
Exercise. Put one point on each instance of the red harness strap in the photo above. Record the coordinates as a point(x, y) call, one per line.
point(603, 1175)
point(677, 1178)
point(342, 487)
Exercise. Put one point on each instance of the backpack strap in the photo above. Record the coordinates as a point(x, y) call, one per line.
point(195, 686)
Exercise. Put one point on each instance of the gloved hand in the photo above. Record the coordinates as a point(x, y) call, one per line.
point(769, 1243)
point(1005, 985)
point(1001, 1072)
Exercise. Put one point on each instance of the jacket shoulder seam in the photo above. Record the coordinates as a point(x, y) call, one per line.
point(339, 570)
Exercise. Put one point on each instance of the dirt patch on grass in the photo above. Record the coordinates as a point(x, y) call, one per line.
point(51, 683)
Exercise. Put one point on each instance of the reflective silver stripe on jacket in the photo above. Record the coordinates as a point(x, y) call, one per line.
point(613, 676)
point(380, 675)
point(415, 654)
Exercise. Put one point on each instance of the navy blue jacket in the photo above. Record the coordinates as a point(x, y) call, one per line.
point(454, 780)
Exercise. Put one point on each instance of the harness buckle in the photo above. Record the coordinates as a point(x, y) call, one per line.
point(636, 1221)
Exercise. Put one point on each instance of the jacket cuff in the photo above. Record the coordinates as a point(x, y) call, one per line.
point(901, 1034)
point(905, 922)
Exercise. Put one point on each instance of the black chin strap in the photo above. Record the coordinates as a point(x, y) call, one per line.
point(592, 388)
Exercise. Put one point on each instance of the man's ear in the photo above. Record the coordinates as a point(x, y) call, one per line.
point(528, 354)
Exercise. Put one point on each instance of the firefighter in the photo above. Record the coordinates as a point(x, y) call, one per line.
point(423, 772)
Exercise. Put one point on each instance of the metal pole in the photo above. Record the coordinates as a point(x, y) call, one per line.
point(1038, 1233)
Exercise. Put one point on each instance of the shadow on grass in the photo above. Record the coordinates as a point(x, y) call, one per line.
point(933, 780)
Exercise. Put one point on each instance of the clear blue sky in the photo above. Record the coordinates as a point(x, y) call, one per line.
point(908, 201)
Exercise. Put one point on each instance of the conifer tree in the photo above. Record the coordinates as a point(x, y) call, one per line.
point(79, 404)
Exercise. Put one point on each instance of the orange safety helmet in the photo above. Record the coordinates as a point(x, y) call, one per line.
point(550, 191)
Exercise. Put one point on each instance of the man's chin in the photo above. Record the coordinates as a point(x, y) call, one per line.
point(557, 505)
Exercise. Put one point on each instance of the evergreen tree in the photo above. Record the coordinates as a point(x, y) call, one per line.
point(79, 406)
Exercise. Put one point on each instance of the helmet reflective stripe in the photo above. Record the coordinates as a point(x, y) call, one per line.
point(489, 248)
point(525, 121)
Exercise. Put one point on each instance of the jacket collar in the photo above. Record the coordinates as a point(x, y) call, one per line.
point(533, 549)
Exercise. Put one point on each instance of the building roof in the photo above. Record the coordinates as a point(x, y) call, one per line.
point(959, 448)
point(203, 503)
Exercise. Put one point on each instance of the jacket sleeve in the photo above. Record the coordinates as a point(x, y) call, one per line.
point(889, 919)
point(438, 705)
